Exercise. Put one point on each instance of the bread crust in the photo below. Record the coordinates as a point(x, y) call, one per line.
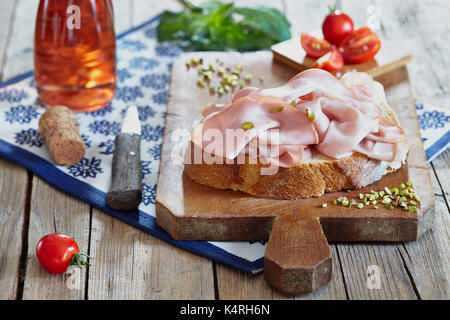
point(306, 180)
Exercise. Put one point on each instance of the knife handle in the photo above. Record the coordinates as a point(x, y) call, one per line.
point(125, 192)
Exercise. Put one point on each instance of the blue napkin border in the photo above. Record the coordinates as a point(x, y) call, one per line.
point(97, 198)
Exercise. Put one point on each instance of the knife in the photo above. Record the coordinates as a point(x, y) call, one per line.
point(125, 192)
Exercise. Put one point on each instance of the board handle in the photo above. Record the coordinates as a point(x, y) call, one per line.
point(298, 258)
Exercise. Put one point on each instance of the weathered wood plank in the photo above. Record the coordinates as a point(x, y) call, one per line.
point(19, 54)
point(142, 11)
point(6, 16)
point(441, 168)
point(235, 284)
point(427, 260)
point(360, 261)
point(13, 194)
point(131, 264)
point(13, 189)
point(53, 211)
point(122, 15)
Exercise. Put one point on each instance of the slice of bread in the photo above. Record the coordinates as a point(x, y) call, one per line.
point(310, 178)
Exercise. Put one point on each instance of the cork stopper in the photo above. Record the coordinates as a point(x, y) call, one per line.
point(58, 127)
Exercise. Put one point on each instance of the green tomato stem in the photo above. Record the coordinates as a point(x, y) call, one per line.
point(79, 261)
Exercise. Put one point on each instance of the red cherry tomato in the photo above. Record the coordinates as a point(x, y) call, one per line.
point(336, 27)
point(362, 45)
point(331, 61)
point(55, 252)
point(314, 47)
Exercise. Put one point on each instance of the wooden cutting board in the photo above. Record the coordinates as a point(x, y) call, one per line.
point(291, 53)
point(297, 257)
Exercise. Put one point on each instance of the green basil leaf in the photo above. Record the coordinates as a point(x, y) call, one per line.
point(217, 26)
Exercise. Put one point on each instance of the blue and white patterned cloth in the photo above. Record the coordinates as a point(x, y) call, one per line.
point(143, 80)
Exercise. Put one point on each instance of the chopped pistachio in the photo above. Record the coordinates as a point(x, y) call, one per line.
point(201, 83)
point(247, 126)
point(403, 199)
point(226, 88)
point(220, 70)
point(220, 90)
point(248, 77)
point(310, 115)
point(324, 205)
point(375, 207)
point(293, 103)
point(233, 83)
point(241, 84)
point(412, 202)
point(402, 186)
point(396, 201)
point(188, 64)
point(335, 201)
point(212, 67)
point(394, 191)
point(381, 193)
point(194, 61)
point(345, 202)
point(212, 89)
point(390, 207)
point(409, 184)
point(361, 196)
point(360, 206)
point(388, 191)
point(207, 75)
point(276, 109)
point(412, 209)
point(374, 202)
point(261, 79)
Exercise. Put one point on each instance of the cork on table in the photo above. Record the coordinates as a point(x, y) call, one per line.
point(130, 264)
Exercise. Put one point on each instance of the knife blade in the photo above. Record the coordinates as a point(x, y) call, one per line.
point(125, 192)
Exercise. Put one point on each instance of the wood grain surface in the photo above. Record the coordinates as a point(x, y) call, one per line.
point(416, 270)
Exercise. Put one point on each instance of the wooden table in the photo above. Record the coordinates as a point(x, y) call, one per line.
point(130, 264)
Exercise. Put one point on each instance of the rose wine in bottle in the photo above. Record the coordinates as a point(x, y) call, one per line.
point(75, 53)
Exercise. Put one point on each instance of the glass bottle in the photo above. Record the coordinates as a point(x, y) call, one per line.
point(75, 53)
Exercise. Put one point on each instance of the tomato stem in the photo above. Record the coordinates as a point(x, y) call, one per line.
point(335, 7)
point(79, 261)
